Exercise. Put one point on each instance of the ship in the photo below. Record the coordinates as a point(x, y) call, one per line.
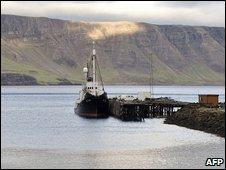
point(93, 101)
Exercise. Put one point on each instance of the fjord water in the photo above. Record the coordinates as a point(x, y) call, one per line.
point(37, 119)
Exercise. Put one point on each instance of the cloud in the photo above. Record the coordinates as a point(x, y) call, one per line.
point(211, 13)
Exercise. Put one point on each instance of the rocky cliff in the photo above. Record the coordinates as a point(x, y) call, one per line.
point(51, 50)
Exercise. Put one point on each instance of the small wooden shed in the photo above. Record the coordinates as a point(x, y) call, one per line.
point(208, 98)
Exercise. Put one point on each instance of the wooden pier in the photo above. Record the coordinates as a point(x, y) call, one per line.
point(137, 110)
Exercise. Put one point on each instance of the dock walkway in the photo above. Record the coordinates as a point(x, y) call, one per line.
point(137, 110)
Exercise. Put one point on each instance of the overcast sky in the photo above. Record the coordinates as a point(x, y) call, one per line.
point(208, 13)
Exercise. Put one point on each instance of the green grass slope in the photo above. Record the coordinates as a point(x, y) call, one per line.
point(53, 50)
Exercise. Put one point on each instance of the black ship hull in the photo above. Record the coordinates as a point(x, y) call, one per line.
point(93, 106)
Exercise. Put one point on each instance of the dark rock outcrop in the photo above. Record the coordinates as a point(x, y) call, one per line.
point(14, 79)
point(207, 118)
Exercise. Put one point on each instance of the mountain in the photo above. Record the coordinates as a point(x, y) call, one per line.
point(52, 51)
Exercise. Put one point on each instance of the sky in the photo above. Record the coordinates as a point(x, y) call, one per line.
point(203, 13)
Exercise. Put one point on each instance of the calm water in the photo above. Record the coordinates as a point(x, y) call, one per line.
point(42, 117)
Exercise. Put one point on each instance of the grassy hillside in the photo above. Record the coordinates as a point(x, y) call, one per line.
point(51, 50)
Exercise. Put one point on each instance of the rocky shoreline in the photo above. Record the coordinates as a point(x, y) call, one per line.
point(207, 118)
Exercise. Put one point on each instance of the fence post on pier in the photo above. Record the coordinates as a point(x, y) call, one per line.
point(161, 111)
point(171, 110)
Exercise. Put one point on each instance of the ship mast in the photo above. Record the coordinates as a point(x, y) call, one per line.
point(94, 68)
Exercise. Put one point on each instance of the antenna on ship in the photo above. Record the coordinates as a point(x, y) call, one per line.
point(94, 67)
point(94, 50)
point(96, 64)
point(151, 76)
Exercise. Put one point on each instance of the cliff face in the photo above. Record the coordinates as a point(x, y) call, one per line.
point(51, 49)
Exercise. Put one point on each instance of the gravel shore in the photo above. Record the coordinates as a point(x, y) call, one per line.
point(187, 156)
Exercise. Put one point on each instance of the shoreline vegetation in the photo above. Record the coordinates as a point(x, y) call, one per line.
point(207, 118)
point(15, 79)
